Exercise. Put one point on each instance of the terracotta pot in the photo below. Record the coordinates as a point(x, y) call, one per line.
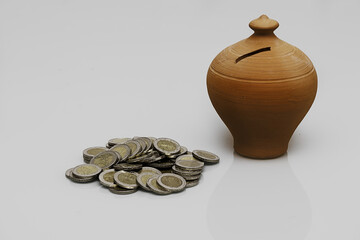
point(262, 88)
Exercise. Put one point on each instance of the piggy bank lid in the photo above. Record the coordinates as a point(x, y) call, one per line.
point(262, 56)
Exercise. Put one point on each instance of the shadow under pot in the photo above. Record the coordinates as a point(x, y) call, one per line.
point(262, 88)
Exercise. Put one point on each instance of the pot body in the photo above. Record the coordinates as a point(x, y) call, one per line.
point(263, 105)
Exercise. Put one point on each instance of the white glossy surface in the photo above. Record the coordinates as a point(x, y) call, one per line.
point(74, 74)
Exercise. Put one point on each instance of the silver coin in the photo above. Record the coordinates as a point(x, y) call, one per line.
point(135, 148)
point(127, 166)
point(171, 182)
point(90, 152)
point(105, 159)
point(155, 188)
point(106, 178)
point(115, 141)
point(142, 179)
point(182, 172)
point(122, 191)
point(86, 171)
point(206, 156)
point(192, 183)
point(123, 151)
point(126, 179)
point(73, 178)
point(167, 146)
point(150, 169)
point(188, 162)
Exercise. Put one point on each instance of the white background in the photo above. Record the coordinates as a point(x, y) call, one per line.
point(74, 74)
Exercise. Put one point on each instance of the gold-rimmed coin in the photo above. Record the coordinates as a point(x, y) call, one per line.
point(115, 141)
point(155, 188)
point(167, 146)
point(188, 162)
point(205, 156)
point(122, 191)
point(142, 179)
point(135, 148)
point(106, 178)
point(123, 150)
point(90, 152)
point(105, 159)
point(69, 174)
point(126, 179)
point(171, 182)
point(86, 171)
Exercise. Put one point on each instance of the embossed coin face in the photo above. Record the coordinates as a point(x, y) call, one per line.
point(206, 156)
point(144, 177)
point(155, 188)
point(123, 150)
point(106, 178)
point(171, 182)
point(126, 179)
point(188, 162)
point(86, 171)
point(151, 170)
point(89, 153)
point(115, 141)
point(69, 174)
point(122, 191)
point(128, 166)
point(167, 146)
point(105, 160)
point(134, 147)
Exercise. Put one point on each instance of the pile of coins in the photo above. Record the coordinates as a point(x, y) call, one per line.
point(158, 165)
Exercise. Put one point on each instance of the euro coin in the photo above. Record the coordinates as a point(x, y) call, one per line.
point(122, 191)
point(191, 177)
point(167, 146)
point(182, 172)
point(171, 182)
point(142, 144)
point(127, 166)
point(69, 174)
point(123, 150)
point(183, 150)
point(86, 171)
point(115, 141)
point(105, 159)
point(126, 179)
point(163, 164)
point(134, 147)
point(191, 183)
point(155, 187)
point(188, 162)
point(106, 178)
point(150, 169)
point(89, 153)
point(142, 179)
point(205, 156)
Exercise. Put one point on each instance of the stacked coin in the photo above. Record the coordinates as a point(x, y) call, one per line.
point(158, 165)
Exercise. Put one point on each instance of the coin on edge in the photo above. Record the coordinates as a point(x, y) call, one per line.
point(144, 177)
point(123, 150)
point(126, 179)
point(167, 146)
point(155, 188)
point(127, 166)
point(206, 156)
point(150, 169)
point(71, 176)
point(86, 171)
point(106, 178)
point(105, 159)
point(171, 182)
point(90, 152)
point(122, 191)
point(135, 148)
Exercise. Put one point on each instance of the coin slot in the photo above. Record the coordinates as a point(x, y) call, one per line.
point(252, 53)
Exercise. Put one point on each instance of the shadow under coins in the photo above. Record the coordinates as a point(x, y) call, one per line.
point(259, 199)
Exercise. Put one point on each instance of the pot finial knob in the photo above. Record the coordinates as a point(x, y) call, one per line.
point(263, 25)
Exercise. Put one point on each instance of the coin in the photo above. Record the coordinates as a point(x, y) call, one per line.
point(150, 169)
point(135, 148)
point(73, 178)
point(115, 141)
point(86, 171)
point(106, 178)
point(142, 144)
point(142, 179)
point(191, 177)
point(167, 146)
point(105, 159)
point(171, 182)
point(90, 152)
point(182, 172)
point(183, 150)
point(140, 159)
point(148, 143)
point(162, 164)
point(188, 162)
point(206, 156)
point(191, 183)
point(123, 150)
point(127, 166)
point(155, 187)
point(126, 179)
point(122, 191)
